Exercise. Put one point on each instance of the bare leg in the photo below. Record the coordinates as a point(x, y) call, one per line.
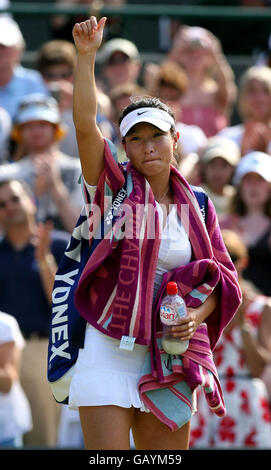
point(106, 427)
point(150, 434)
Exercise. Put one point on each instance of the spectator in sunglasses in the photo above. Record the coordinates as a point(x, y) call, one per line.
point(120, 62)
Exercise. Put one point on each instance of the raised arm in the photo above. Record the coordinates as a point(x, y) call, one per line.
point(87, 37)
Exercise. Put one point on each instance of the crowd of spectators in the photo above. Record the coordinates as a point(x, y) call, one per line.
point(40, 201)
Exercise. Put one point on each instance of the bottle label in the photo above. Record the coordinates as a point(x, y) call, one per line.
point(168, 315)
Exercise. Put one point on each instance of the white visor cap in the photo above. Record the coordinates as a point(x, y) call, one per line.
point(156, 117)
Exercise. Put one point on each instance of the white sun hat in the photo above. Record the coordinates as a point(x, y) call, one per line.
point(222, 147)
point(38, 107)
point(10, 33)
point(253, 162)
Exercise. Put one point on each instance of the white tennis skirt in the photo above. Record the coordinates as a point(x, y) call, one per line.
point(105, 374)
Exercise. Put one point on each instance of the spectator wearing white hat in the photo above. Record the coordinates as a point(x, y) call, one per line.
point(217, 164)
point(250, 216)
point(52, 175)
point(120, 62)
point(16, 81)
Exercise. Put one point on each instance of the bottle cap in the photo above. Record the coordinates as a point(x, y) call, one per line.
point(172, 288)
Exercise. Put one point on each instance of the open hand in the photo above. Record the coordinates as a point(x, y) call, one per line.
point(88, 35)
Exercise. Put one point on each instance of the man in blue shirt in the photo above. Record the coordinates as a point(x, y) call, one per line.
point(16, 81)
point(29, 255)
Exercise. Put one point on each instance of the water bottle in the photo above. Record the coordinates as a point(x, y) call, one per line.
point(172, 308)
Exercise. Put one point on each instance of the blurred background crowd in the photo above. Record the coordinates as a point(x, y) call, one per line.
point(216, 76)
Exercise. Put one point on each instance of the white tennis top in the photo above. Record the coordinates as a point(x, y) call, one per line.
point(175, 248)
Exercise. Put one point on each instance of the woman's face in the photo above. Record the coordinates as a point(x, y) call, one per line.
point(192, 51)
point(258, 101)
point(218, 173)
point(37, 135)
point(149, 149)
point(255, 191)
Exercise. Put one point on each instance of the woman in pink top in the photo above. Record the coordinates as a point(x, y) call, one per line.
point(208, 100)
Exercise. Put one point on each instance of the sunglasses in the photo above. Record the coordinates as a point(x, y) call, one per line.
point(13, 199)
point(57, 75)
point(119, 59)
